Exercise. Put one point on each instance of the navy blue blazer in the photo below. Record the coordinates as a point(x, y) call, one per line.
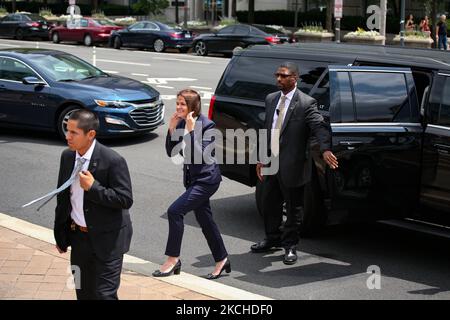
point(198, 166)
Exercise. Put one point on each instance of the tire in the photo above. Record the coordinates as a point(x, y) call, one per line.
point(159, 45)
point(61, 124)
point(117, 43)
point(19, 34)
point(55, 37)
point(87, 40)
point(184, 50)
point(200, 48)
point(314, 214)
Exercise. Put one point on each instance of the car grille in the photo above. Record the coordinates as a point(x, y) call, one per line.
point(147, 113)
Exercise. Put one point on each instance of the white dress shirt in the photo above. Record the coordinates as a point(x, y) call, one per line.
point(289, 97)
point(77, 193)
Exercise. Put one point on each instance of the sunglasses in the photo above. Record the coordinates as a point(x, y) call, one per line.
point(282, 75)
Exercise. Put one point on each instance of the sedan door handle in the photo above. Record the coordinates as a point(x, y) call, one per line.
point(2, 87)
point(442, 148)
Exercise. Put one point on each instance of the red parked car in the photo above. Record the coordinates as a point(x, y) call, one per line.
point(86, 30)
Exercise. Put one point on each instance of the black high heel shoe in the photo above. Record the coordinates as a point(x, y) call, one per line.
point(176, 269)
point(226, 267)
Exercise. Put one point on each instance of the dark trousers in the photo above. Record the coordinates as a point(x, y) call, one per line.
point(274, 194)
point(196, 198)
point(442, 42)
point(94, 279)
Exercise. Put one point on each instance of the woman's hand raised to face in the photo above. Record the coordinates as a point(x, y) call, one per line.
point(190, 121)
point(174, 119)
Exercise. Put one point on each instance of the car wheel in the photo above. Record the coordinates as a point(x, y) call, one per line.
point(117, 43)
point(87, 40)
point(63, 119)
point(55, 37)
point(159, 45)
point(201, 49)
point(19, 34)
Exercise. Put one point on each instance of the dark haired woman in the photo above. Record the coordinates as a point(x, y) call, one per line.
point(201, 177)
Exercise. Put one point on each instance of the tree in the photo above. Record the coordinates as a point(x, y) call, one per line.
point(329, 22)
point(13, 6)
point(151, 6)
point(251, 11)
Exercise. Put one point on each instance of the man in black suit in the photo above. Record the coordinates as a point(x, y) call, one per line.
point(92, 215)
point(291, 117)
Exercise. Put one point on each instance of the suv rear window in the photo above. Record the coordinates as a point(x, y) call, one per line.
point(253, 78)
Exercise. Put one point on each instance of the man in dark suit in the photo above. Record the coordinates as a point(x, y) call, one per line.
point(92, 215)
point(291, 117)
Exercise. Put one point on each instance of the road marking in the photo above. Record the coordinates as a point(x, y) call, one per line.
point(123, 62)
point(204, 88)
point(8, 45)
point(168, 96)
point(109, 71)
point(182, 60)
point(166, 80)
point(140, 74)
point(165, 87)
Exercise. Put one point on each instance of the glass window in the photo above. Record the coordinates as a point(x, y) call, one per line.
point(342, 109)
point(17, 17)
point(241, 30)
point(84, 23)
point(137, 26)
point(65, 67)
point(380, 97)
point(444, 113)
point(227, 30)
point(253, 78)
point(14, 70)
point(322, 94)
point(103, 22)
point(151, 26)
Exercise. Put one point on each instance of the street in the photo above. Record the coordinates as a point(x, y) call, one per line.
point(333, 266)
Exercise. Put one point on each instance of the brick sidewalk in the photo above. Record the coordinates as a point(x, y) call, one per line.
point(32, 269)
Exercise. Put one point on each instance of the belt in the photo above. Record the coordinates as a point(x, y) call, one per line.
point(74, 227)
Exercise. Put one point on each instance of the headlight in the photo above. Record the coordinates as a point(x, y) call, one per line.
point(112, 104)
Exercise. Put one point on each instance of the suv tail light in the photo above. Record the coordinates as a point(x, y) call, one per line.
point(33, 24)
point(272, 39)
point(211, 107)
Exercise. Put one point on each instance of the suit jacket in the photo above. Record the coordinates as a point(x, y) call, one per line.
point(105, 205)
point(195, 168)
point(302, 119)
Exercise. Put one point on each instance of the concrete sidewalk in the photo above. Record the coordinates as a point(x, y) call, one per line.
point(31, 268)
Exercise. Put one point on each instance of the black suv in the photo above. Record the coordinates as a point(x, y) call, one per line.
point(389, 114)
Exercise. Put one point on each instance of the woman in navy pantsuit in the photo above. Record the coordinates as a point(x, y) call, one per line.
point(190, 134)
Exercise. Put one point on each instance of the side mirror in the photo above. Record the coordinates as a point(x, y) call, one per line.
point(33, 81)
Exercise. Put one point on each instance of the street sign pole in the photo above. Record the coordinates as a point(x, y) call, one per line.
point(402, 24)
point(338, 16)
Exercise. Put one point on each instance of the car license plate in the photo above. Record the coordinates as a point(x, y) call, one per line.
point(187, 35)
point(44, 27)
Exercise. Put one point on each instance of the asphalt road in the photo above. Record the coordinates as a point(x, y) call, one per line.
point(334, 266)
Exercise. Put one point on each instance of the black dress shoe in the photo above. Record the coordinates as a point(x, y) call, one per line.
point(265, 245)
point(226, 267)
point(176, 269)
point(290, 256)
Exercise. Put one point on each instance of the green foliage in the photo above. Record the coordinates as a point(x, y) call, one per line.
point(151, 6)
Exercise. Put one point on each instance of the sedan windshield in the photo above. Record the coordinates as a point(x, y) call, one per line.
point(65, 67)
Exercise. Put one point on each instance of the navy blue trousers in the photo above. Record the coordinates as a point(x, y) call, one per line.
point(195, 198)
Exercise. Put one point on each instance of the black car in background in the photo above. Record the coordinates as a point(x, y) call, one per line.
point(389, 115)
point(39, 89)
point(23, 25)
point(152, 34)
point(236, 36)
